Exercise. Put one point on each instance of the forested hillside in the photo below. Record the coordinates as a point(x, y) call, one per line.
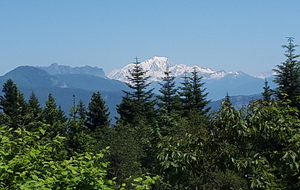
point(168, 141)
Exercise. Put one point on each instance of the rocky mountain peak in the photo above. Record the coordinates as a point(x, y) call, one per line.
point(55, 69)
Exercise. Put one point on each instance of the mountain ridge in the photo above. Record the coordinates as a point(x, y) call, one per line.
point(217, 83)
point(55, 69)
point(157, 66)
point(240, 87)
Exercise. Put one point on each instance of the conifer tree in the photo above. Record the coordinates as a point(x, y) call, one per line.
point(78, 140)
point(136, 122)
point(227, 100)
point(193, 96)
point(52, 113)
point(81, 110)
point(78, 110)
point(288, 76)
point(97, 115)
point(127, 110)
point(55, 118)
point(12, 103)
point(73, 109)
point(138, 102)
point(185, 92)
point(168, 100)
point(267, 93)
point(34, 106)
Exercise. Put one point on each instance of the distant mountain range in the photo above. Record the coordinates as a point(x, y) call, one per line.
point(218, 83)
point(156, 67)
point(65, 81)
point(55, 69)
point(64, 86)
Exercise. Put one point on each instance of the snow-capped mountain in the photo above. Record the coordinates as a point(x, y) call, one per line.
point(266, 74)
point(156, 67)
point(217, 83)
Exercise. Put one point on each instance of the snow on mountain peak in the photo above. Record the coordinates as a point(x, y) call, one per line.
point(266, 74)
point(157, 66)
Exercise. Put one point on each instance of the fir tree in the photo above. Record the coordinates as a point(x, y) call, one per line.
point(73, 109)
point(78, 110)
point(81, 110)
point(168, 100)
point(78, 140)
point(199, 102)
point(267, 93)
point(226, 100)
point(288, 76)
point(138, 83)
point(12, 103)
point(193, 96)
point(97, 115)
point(185, 95)
point(51, 113)
point(127, 110)
point(138, 102)
point(34, 106)
point(55, 118)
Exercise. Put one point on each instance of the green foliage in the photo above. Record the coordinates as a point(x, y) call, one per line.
point(27, 162)
point(126, 152)
point(144, 182)
point(259, 143)
point(79, 139)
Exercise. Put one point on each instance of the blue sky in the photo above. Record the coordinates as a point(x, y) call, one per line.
point(231, 35)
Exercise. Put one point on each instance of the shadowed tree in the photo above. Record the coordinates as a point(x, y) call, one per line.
point(168, 100)
point(34, 106)
point(52, 113)
point(192, 94)
point(138, 102)
point(97, 114)
point(13, 104)
point(267, 93)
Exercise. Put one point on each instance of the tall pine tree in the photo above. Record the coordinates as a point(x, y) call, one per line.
point(52, 113)
point(13, 104)
point(97, 114)
point(288, 76)
point(55, 118)
point(168, 100)
point(193, 95)
point(267, 93)
point(34, 106)
point(137, 103)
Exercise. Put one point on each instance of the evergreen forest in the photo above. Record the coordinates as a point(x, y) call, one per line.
point(167, 141)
